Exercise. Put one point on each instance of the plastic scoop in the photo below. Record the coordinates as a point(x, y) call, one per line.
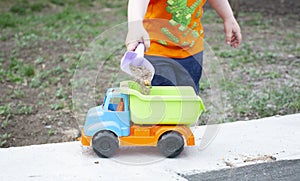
point(136, 58)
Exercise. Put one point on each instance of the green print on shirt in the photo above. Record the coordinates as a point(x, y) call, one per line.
point(182, 15)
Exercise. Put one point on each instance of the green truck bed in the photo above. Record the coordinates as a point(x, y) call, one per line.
point(163, 105)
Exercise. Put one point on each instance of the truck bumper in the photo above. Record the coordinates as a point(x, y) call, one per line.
point(85, 140)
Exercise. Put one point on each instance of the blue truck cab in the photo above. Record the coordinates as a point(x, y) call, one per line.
point(113, 115)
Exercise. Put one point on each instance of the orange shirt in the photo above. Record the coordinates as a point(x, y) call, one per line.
point(174, 27)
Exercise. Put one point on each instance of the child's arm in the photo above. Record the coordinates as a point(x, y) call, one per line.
point(231, 27)
point(136, 31)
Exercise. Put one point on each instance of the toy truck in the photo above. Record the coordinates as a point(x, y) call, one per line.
point(129, 118)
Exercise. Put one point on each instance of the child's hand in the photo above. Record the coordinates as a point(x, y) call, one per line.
point(137, 34)
point(232, 32)
point(231, 27)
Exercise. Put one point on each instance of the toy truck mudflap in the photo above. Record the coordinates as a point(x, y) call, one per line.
point(85, 140)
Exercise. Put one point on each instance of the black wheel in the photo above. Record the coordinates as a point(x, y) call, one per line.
point(105, 144)
point(171, 144)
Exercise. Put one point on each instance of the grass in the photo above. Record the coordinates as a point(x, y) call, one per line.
point(57, 106)
point(51, 132)
point(24, 109)
point(5, 111)
point(47, 38)
point(260, 78)
point(18, 94)
point(4, 138)
point(266, 103)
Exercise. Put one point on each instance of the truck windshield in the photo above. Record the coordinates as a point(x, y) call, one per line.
point(116, 104)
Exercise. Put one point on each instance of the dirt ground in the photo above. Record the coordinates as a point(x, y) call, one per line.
point(39, 124)
point(270, 7)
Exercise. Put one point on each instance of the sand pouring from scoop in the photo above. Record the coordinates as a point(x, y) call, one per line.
point(134, 64)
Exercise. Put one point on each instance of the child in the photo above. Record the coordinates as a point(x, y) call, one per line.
point(173, 36)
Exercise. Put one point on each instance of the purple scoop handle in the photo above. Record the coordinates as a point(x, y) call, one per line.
point(128, 58)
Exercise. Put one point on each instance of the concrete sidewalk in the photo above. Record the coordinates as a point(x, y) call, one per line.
point(236, 144)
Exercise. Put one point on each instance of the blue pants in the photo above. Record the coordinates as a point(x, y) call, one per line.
point(177, 71)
